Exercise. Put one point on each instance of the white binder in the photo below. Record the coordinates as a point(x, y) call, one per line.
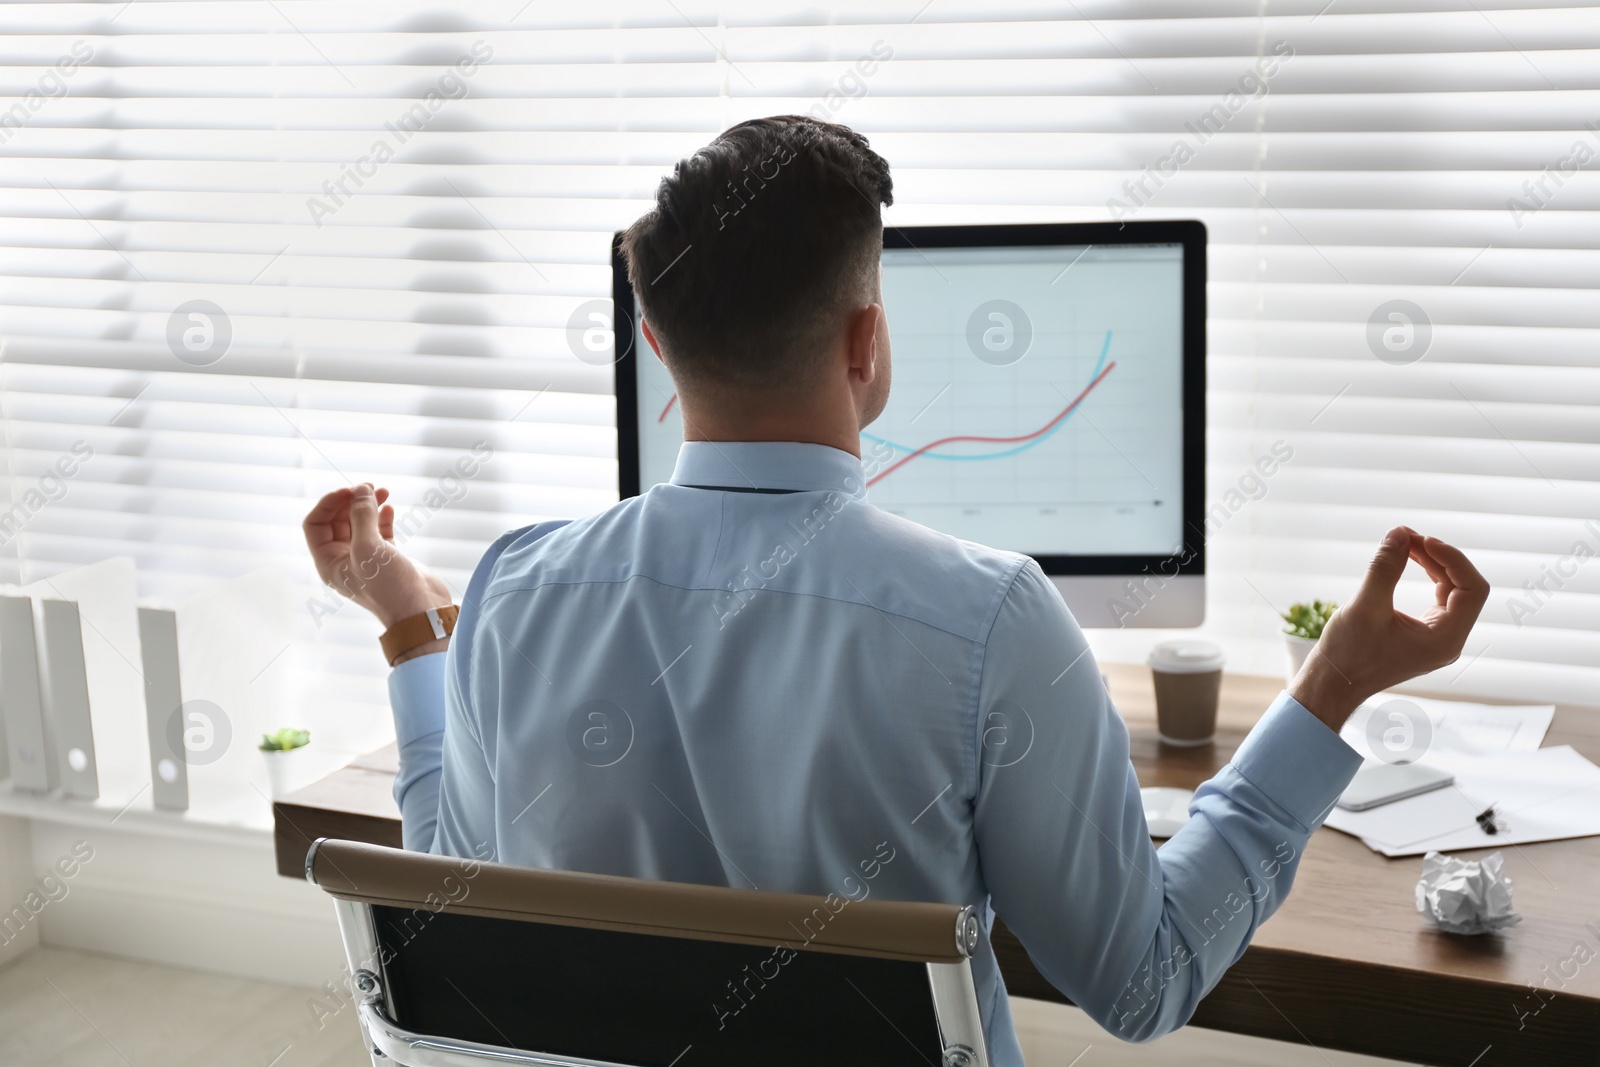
point(68, 692)
point(163, 701)
point(32, 748)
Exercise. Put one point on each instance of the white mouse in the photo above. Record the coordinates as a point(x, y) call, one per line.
point(1166, 809)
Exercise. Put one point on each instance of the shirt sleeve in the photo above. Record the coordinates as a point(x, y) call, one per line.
point(445, 788)
point(1134, 936)
point(416, 696)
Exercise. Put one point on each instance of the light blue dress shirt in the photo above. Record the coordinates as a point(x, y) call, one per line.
point(800, 692)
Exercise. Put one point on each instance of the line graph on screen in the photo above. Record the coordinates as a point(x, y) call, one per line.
point(1020, 442)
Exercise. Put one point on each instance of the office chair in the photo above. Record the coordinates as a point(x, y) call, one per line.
point(457, 963)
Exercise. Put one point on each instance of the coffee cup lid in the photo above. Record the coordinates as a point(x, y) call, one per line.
point(1187, 656)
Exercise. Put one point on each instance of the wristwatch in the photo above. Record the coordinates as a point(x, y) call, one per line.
point(413, 631)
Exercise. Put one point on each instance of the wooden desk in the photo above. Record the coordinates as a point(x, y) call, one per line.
point(1346, 963)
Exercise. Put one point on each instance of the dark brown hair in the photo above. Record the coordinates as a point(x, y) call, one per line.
point(757, 245)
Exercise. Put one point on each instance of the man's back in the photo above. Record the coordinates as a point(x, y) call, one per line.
point(753, 689)
point(752, 677)
point(773, 690)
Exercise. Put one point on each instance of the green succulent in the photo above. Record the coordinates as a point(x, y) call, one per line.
point(285, 740)
point(1307, 620)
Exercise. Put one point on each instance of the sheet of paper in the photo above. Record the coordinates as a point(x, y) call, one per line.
point(1455, 726)
point(1541, 795)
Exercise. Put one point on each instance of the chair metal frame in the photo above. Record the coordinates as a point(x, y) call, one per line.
point(951, 986)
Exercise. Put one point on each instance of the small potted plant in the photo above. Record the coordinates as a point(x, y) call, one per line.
point(1303, 625)
point(282, 750)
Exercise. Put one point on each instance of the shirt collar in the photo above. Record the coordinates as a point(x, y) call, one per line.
point(768, 465)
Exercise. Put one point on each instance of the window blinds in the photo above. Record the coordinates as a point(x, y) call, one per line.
point(252, 251)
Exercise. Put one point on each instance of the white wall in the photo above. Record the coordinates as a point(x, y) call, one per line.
point(16, 878)
point(198, 904)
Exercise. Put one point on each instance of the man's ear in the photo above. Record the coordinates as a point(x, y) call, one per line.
point(862, 347)
point(650, 336)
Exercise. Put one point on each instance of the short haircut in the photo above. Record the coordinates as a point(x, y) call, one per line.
point(756, 248)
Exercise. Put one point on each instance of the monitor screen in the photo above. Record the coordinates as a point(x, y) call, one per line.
point(1047, 383)
point(1038, 396)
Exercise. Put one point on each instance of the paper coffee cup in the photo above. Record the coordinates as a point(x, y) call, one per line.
point(1188, 681)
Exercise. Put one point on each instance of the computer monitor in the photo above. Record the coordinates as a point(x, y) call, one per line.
point(1048, 398)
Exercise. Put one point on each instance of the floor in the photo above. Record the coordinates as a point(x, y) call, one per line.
point(62, 1008)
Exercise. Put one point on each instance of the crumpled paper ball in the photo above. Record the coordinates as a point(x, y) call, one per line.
point(1466, 896)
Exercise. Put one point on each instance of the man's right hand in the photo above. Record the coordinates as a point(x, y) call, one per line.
point(351, 537)
point(1368, 646)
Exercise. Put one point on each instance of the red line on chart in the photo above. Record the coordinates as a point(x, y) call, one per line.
point(997, 440)
point(663, 416)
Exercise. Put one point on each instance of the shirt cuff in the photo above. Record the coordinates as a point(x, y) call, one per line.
point(1294, 758)
point(416, 695)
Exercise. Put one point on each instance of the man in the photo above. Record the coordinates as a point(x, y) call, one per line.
point(619, 697)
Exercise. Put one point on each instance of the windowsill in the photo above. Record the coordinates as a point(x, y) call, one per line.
point(240, 815)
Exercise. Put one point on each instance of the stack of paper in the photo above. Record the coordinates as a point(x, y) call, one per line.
point(1538, 794)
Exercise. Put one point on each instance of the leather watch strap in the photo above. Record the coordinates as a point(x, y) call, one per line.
point(416, 630)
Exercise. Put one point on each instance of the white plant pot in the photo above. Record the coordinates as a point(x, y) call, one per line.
point(285, 770)
point(1298, 648)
